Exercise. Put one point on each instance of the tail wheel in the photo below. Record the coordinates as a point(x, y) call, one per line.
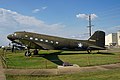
point(89, 51)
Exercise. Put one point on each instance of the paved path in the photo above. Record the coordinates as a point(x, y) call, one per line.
point(2, 74)
point(62, 70)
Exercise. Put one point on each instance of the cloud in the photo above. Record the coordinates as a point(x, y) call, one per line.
point(83, 36)
point(11, 21)
point(45, 7)
point(39, 9)
point(85, 16)
point(36, 10)
point(118, 27)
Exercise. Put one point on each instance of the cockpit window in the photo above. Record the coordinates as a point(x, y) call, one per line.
point(15, 34)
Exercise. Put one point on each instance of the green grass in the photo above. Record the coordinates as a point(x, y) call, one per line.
point(98, 75)
point(18, 60)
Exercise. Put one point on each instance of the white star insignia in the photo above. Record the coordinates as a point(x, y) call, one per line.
point(80, 45)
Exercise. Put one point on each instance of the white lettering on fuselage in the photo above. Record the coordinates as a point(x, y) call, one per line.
point(92, 40)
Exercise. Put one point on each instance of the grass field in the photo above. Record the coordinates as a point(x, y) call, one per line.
point(98, 75)
point(18, 60)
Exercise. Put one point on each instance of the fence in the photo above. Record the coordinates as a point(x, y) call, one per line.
point(4, 62)
point(19, 61)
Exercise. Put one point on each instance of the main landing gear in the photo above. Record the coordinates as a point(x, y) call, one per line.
point(28, 53)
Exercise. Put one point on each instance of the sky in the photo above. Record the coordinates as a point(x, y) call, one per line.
point(63, 18)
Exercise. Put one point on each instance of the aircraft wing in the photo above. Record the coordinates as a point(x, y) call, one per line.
point(44, 46)
point(34, 44)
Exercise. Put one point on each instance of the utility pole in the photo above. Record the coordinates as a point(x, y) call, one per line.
point(89, 25)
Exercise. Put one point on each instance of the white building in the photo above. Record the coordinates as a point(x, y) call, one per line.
point(113, 39)
point(118, 37)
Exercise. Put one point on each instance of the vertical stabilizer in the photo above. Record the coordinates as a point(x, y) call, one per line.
point(99, 38)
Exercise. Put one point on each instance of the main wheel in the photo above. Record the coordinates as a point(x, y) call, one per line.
point(27, 53)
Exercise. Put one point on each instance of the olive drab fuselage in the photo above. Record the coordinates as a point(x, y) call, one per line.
point(41, 41)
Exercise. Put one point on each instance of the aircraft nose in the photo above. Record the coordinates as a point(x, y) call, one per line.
point(10, 37)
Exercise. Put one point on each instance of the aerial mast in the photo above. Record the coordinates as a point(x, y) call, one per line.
point(89, 24)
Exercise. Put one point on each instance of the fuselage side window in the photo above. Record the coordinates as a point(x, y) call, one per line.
point(41, 39)
point(51, 41)
point(31, 38)
point(26, 36)
point(36, 39)
point(46, 40)
point(57, 42)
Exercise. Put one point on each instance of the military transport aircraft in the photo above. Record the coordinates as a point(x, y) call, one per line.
point(41, 41)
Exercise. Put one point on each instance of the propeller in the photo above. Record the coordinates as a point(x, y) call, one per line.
point(17, 46)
